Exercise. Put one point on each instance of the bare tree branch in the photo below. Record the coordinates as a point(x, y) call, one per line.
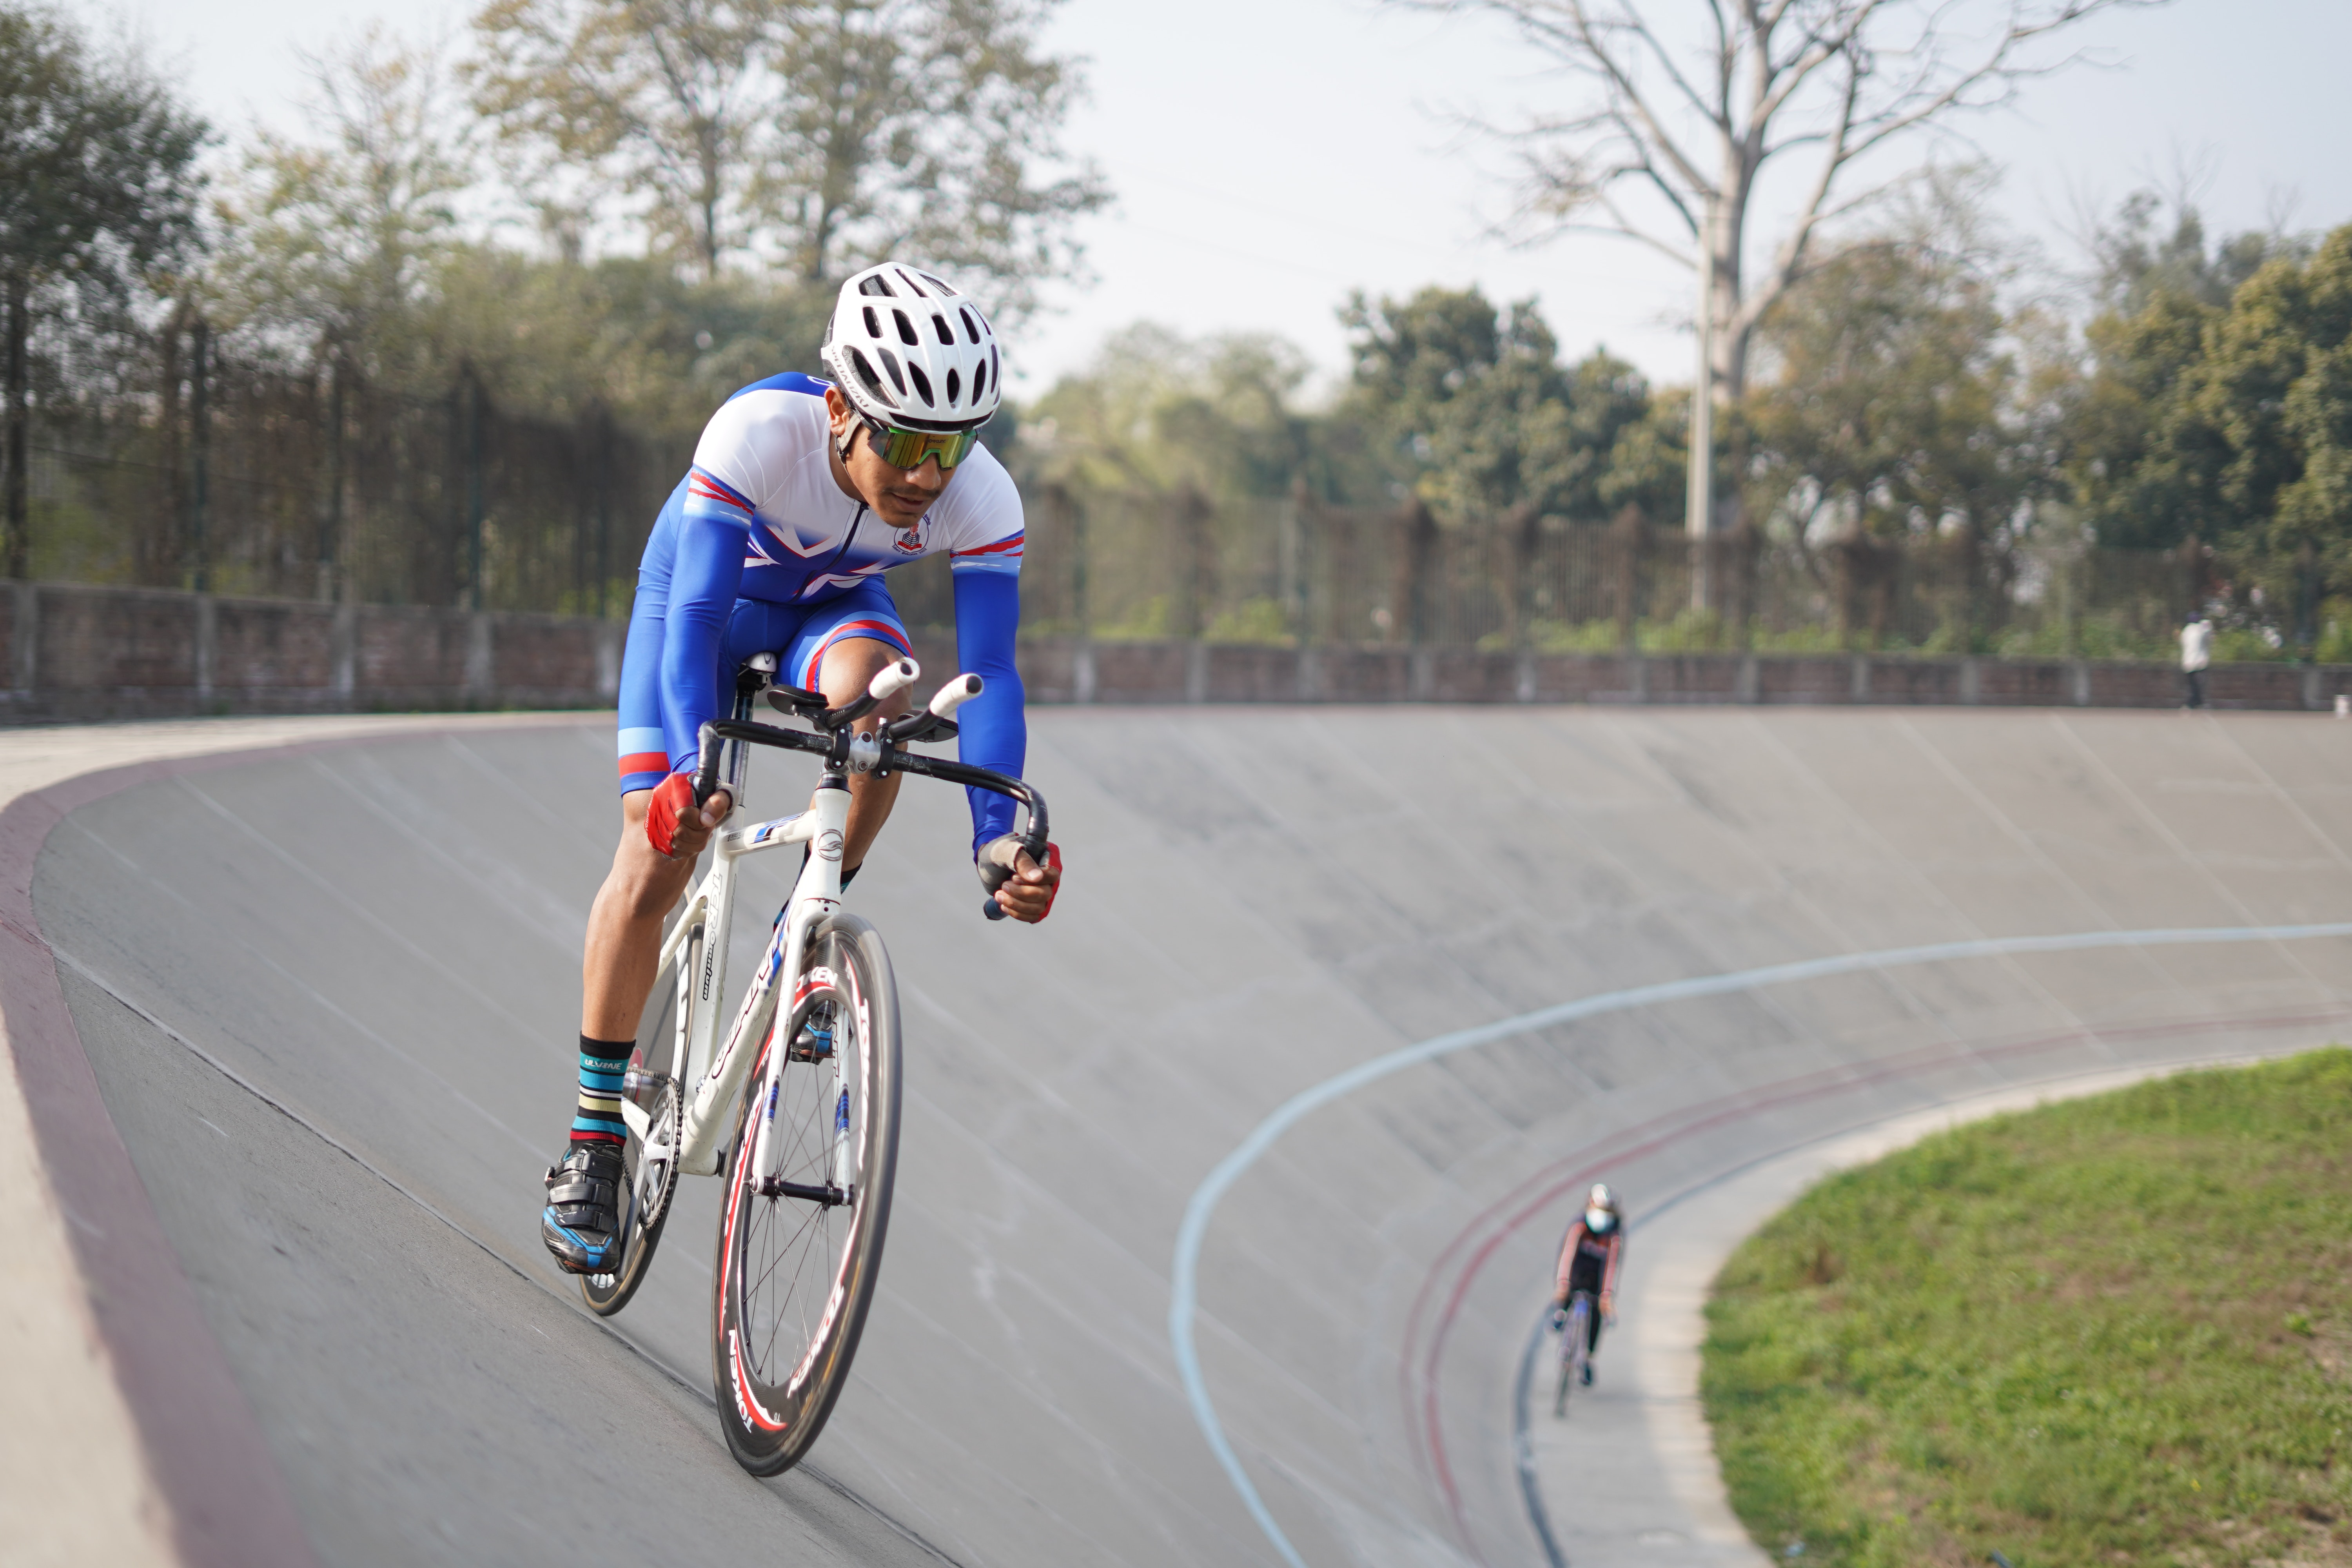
point(1692, 99)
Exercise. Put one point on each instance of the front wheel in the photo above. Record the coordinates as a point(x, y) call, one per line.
point(809, 1173)
point(1575, 1352)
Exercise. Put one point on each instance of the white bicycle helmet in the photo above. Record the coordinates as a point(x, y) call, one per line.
point(910, 351)
point(1601, 1209)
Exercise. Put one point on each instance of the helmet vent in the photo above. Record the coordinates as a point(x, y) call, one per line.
point(969, 330)
point(946, 332)
point(912, 285)
point(922, 382)
point(906, 329)
point(891, 364)
point(876, 285)
point(995, 371)
point(873, 323)
point(866, 374)
point(952, 388)
point(979, 383)
point(935, 283)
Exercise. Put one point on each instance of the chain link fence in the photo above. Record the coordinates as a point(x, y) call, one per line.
point(1291, 572)
point(190, 466)
point(201, 469)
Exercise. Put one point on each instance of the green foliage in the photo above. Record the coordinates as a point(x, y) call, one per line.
point(1893, 400)
point(2219, 400)
point(98, 178)
point(2107, 1331)
point(1474, 410)
point(344, 239)
point(656, 351)
point(834, 132)
point(1158, 411)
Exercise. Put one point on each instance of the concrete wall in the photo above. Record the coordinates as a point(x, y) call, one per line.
point(73, 652)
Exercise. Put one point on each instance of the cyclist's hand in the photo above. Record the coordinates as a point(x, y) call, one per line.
point(1609, 1310)
point(1559, 1318)
point(673, 827)
point(1021, 887)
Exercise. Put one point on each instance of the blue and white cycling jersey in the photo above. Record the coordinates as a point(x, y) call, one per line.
point(758, 550)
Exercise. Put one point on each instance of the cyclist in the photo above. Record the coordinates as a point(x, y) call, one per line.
point(1588, 1261)
point(803, 493)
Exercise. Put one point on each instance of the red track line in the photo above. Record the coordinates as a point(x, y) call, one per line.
point(1674, 1125)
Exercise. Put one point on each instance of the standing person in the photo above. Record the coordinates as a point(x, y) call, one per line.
point(2196, 656)
point(803, 493)
point(1588, 1261)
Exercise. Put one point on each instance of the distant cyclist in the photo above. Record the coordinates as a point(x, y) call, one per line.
point(803, 493)
point(1589, 1260)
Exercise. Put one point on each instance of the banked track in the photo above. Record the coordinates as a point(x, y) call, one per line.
point(326, 997)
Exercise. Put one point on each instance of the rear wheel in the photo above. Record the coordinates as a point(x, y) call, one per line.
point(800, 1242)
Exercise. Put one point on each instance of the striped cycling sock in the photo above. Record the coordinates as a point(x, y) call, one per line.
point(598, 1120)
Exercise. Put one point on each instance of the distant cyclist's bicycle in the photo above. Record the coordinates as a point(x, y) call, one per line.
point(796, 1101)
point(1575, 1348)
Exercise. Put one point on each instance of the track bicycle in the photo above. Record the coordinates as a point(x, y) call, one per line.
point(1575, 1347)
point(795, 1101)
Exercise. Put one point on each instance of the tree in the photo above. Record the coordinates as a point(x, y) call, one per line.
point(919, 125)
point(1160, 413)
point(1894, 406)
point(342, 239)
point(2144, 453)
point(1476, 408)
point(825, 133)
point(1688, 127)
point(98, 190)
point(2275, 383)
point(667, 101)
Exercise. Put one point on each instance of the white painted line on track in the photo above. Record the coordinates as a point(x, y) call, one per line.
point(1184, 1281)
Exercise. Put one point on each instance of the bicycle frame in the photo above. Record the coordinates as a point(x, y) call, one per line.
point(709, 1070)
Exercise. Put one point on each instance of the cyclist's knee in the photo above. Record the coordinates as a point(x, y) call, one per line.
point(850, 666)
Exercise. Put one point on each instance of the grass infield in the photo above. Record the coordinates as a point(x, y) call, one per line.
point(2110, 1331)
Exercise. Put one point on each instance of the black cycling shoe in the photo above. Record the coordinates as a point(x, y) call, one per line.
point(1588, 1374)
point(582, 1224)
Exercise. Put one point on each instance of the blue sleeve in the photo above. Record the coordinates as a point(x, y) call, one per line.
point(994, 732)
point(704, 580)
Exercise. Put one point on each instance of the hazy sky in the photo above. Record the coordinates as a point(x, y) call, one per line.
point(1270, 155)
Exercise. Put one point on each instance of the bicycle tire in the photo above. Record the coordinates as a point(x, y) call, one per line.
point(649, 1203)
point(1575, 1350)
point(781, 1356)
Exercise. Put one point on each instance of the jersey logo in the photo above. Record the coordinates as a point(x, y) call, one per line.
point(910, 539)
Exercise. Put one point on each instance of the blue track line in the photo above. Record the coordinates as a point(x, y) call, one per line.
point(1184, 1282)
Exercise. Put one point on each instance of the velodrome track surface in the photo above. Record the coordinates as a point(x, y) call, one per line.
point(327, 999)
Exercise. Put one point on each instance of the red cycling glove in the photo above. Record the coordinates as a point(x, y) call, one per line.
point(672, 796)
point(998, 856)
point(1052, 864)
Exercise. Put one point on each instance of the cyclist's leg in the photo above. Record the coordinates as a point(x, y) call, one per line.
point(1585, 1275)
point(624, 928)
point(581, 1222)
point(840, 648)
point(642, 887)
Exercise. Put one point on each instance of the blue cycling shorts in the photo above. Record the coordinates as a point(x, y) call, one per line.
point(798, 633)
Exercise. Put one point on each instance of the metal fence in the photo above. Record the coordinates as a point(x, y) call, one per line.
point(1117, 567)
point(204, 470)
point(198, 468)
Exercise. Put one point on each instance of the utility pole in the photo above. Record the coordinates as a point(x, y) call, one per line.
point(1701, 513)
